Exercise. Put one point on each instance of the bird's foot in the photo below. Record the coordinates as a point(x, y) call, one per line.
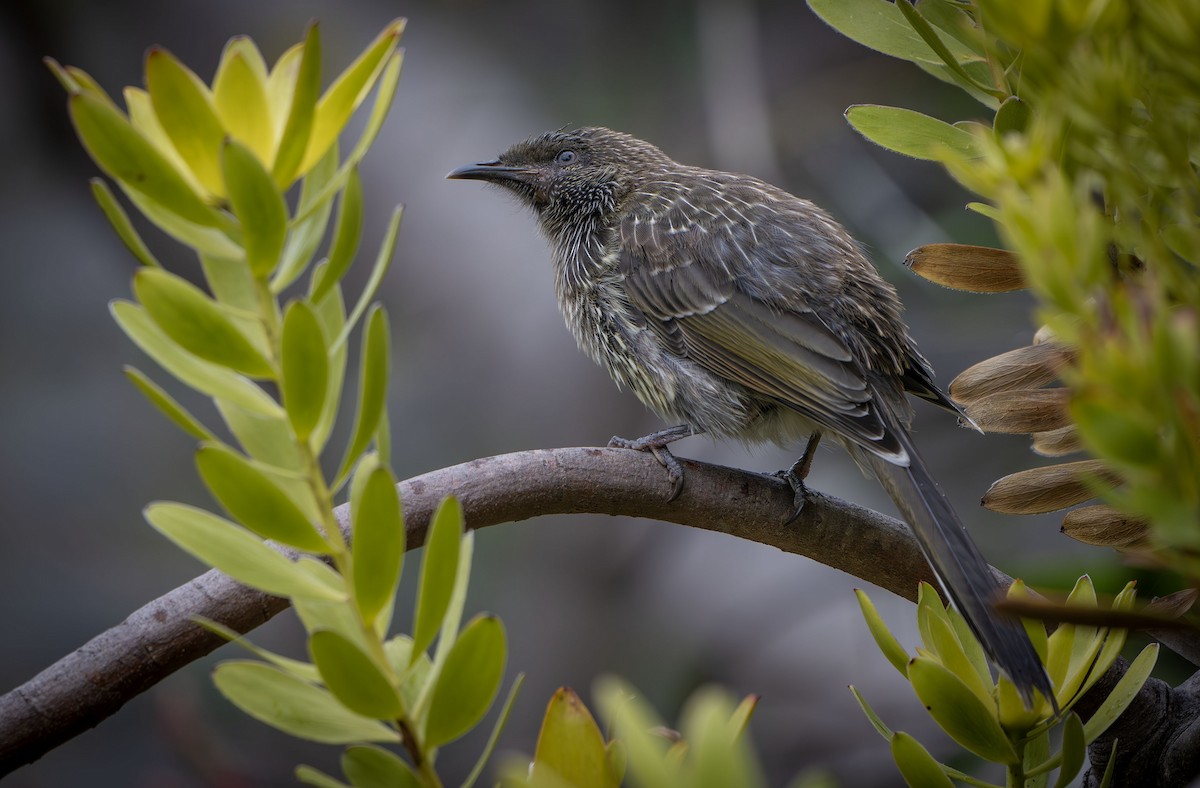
point(656, 443)
point(796, 475)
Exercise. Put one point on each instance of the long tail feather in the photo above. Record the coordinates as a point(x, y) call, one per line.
point(960, 567)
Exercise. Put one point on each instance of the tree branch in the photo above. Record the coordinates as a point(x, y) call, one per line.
point(85, 687)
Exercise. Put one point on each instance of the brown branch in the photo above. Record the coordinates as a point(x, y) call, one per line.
point(85, 687)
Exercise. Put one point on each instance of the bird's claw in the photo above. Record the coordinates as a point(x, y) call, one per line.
point(656, 444)
point(799, 492)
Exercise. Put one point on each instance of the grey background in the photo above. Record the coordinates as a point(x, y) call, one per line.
point(482, 366)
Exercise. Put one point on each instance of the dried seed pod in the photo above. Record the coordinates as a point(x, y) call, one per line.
point(976, 269)
point(1024, 368)
point(1056, 443)
point(1104, 526)
point(1041, 490)
point(1022, 411)
point(1044, 334)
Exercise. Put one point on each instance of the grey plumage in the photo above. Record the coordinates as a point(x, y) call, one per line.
point(742, 311)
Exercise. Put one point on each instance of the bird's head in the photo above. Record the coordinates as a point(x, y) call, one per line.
point(567, 176)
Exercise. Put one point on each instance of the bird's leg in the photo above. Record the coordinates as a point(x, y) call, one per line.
point(796, 475)
point(656, 444)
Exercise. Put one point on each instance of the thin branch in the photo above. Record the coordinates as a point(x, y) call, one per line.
point(85, 687)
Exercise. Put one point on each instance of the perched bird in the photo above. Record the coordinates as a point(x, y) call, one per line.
point(735, 309)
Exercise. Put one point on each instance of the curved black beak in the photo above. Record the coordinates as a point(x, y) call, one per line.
point(489, 171)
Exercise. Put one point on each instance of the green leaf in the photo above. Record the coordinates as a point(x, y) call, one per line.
point(349, 90)
point(970, 645)
point(294, 706)
point(571, 745)
point(918, 767)
point(258, 206)
point(310, 776)
point(633, 722)
point(120, 221)
point(347, 233)
point(1122, 694)
point(497, 729)
point(367, 766)
point(911, 133)
point(235, 551)
point(382, 262)
point(268, 439)
point(204, 376)
point(122, 152)
point(331, 312)
point(353, 677)
point(717, 756)
point(1106, 778)
point(256, 501)
point(316, 203)
point(983, 209)
point(876, 722)
point(883, 636)
point(305, 364)
point(929, 607)
point(879, 25)
point(959, 711)
point(939, 47)
point(298, 130)
point(950, 651)
point(185, 109)
point(196, 323)
point(205, 240)
point(1012, 118)
point(231, 282)
point(1037, 748)
point(240, 97)
point(468, 682)
point(439, 568)
point(168, 405)
point(301, 670)
point(1074, 750)
point(372, 390)
point(378, 544)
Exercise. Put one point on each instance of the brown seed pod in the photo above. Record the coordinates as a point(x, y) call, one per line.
point(1024, 368)
point(1022, 411)
point(976, 269)
point(1041, 490)
point(1056, 443)
point(1104, 526)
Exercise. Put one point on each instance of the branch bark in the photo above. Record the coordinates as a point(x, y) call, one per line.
point(87, 686)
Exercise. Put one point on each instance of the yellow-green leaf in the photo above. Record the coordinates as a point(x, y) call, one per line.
point(883, 636)
point(254, 500)
point(879, 25)
point(196, 323)
point(294, 706)
point(468, 682)
point(353, 677)
point(316, 203)
point(240, 96)
point(378, 543)
point(383, 262)
point(305, 364)
point(332, 314)
point(168, 405)
point(348, 91)
point(1122, 694)
point(372, 390)
point(120, 221)
point(367, 766)
point(257, 204)
point(918, 767)
point(204, 376)
point(439, 568)
point(959, 711)
point(911, 133)
point(121, 151)
point(236, 552)
point(301, 670)
point(571, 745)
point(346, 235)
point(301, 112)
point(185, 109)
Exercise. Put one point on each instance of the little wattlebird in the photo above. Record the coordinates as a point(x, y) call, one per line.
point(737, 310)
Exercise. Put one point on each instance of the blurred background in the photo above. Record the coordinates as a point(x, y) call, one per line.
point(482, 366)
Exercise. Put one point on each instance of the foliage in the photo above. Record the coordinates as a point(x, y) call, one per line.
point(950, 676)
point(212, 167)
point(1089, 170)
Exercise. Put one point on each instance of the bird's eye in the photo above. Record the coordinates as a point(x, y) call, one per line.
point(565, 157)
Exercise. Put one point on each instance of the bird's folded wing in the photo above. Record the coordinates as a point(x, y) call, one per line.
point(697, 309)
